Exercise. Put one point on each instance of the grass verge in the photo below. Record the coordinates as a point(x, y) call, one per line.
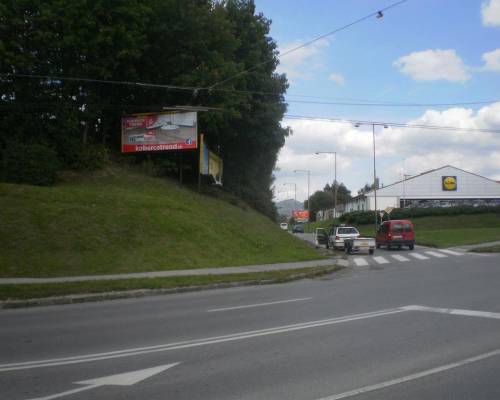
point(41, 290)
point(121, 221)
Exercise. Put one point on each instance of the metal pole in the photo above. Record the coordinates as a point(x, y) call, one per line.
point(335, 183)
point(308, 199)
point(374, 179)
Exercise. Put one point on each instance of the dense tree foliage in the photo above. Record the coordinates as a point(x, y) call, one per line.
point(188, 43)
point(324, 199)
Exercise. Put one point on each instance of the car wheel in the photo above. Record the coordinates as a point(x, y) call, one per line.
point(411, 246)
point(371, 251)
point(389, 247)
point(378, 246)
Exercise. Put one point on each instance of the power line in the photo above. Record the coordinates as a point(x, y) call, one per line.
point(194, 89)
point(393, 124)
point(378, 14)
point(103, 81)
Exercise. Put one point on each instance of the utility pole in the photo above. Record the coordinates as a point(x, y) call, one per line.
point(334, 179)
point(357, 125)
point(308, 185)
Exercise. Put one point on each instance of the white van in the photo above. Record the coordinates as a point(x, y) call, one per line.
point(284, 226)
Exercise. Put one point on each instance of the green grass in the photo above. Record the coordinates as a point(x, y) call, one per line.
point(31, 291)
point(445, 231)
point(121, 221)
point(490, 249)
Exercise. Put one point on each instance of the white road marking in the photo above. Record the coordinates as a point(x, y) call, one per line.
point(452, 252)
point(400, 258)
point(259, 304)
point(124, 379)
point(194, 343)
point(419, 256)
point(360, 262)
point(455, 311)
point(412, 377)
point(381, 260)
point(435, 254)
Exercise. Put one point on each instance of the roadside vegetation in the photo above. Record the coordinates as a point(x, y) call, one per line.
point(32, 291)
point(118, 221)
point(442, 231)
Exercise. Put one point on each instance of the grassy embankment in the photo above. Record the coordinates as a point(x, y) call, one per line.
point(490, 249)
point(122, 221)
point(445, 231)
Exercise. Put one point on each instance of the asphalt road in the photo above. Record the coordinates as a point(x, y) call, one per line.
point(422, 328)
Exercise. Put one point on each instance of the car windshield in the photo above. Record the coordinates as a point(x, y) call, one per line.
point(347, 231)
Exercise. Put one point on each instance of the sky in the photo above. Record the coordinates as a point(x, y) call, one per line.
point(421, 52)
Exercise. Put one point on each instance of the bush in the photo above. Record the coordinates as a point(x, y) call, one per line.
point(91, 157)
point(367, 217)
point(33, 163)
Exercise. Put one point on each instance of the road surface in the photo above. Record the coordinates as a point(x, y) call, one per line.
point(404, 328)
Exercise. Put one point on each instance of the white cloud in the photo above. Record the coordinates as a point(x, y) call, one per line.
point(490, 11)
point(418, 149)
point(492, 60)
point(337, 78)
point(304, 62)
point(433, 65)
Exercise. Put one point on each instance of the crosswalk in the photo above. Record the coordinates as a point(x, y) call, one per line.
point(363, 261)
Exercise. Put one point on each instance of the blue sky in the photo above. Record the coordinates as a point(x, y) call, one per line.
point(422, 51)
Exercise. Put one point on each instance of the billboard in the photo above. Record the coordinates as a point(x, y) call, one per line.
point(300, 215)
point(159, 132)
point(449, 183)
point(210, 163)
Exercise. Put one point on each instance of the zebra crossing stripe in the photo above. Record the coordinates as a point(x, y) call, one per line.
point(381, 260)
point(436, 254)
point(452, 252)
point(400, 258)
point(360, 262)
point(419, 256)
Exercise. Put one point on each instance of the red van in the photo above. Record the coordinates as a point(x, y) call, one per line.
point(396, 233)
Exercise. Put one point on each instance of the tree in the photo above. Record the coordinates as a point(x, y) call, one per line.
point(189, 43)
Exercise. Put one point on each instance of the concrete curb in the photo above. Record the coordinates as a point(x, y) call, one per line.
point(137, 293)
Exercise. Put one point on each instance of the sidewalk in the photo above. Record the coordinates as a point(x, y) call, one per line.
point(180, 272)
point(477, 246)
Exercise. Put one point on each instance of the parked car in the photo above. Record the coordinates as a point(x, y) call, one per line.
point(284, 226)
point(298, 228)
point(340, 232)
point(396, 233)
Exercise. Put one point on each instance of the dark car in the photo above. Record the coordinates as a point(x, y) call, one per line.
point(298, 229)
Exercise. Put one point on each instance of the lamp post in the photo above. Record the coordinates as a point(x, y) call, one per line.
point(308, 180)
point(357, 125)
point(295, 186)
point(334, 180)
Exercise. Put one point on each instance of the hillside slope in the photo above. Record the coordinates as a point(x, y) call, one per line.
point(122, 221)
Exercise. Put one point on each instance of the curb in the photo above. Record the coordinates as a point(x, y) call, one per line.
point(137, 293)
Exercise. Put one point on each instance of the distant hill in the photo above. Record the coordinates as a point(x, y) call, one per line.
point(285, 207)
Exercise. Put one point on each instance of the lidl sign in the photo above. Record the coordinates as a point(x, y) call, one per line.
point(449, 183)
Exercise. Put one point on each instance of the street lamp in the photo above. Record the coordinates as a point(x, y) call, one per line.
point(308, 180)
point(295, 186)
point(357, 125)
point(334, 179)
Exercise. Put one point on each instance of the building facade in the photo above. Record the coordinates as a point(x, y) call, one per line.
point(447, 186)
